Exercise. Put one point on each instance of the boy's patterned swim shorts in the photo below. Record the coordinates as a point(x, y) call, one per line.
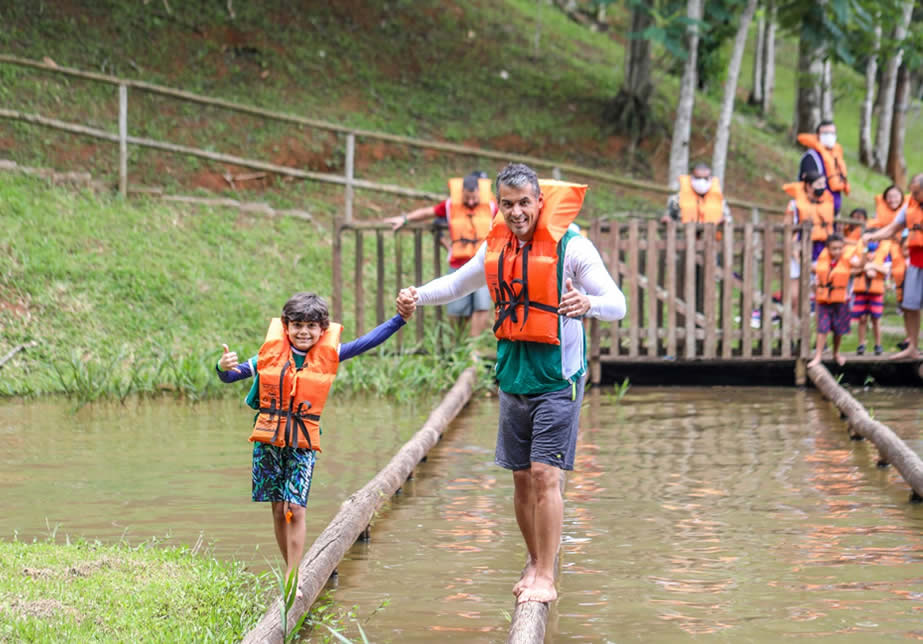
point(282, 473)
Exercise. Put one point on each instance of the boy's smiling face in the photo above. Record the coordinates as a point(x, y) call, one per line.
point(303, 334)
point(835, 248)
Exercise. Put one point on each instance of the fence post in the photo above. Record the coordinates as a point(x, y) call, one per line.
point(556, 173)
point(350, 175)
point(123, 139)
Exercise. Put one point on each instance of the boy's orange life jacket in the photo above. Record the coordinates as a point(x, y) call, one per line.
point(834, 165)
point(523, 279)
point(876, 285)
point(292, 400)
point(831, 283)
point(914, 224)
point(468, 226)
point(702, 209)
point(820, 212)
point(883, 213)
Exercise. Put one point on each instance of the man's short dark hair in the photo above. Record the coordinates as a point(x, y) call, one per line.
point(306, 307)
point(859, 213)
point(822, 124)
point(518, 175)
point(470, 182)
point(834, 237)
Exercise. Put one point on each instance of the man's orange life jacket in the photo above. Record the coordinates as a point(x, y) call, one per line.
point(876, 285)
point(702, 209)
point(468, 226)
point(914, 224)
point(292, 400)
point(523, 279)
point(831, 284)
point(834, 165)
point(883, 213)
point(820, 212)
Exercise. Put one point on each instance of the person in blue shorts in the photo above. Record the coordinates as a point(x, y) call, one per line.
point(292, 374)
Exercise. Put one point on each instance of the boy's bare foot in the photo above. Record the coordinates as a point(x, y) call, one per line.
point(814, 362)
point(910, 352)
point(541, 590)
point(840, 360)
point(526, 578)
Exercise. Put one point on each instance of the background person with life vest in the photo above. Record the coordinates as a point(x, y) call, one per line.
point(543, 277)
point(831, 298)
point(292, 374)
point(911, 218)
point(468, 212)
point(699, 199)
point(825, 156)
point(869, 289)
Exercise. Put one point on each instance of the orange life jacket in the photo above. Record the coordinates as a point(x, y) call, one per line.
point(820, 212)
point(468, 226)
point(523, 279)
point(702, 209)
point(876, 285)
point(883, 213)
point(292, 400)
point(914, 224)
point(834, 165)
point(831, 284)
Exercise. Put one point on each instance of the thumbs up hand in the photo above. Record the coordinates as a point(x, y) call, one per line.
point(228, 361)
point(573, 304)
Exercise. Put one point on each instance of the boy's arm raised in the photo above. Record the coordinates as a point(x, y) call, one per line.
point(371, 339)
point(230, 370)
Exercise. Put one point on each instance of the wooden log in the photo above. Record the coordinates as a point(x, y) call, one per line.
point(357, 511)
point(891, 448)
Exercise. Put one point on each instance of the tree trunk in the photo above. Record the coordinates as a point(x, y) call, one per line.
point(897, 165)
point(826, 101)
point(756, 93)
point(888, 86)
point(682, 126)
point(629, 111)
point(769, 59)
point(723, 135)
point(810, 75)
point(865, 118)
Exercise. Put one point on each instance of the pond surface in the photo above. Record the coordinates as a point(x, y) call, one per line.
point(695, 514)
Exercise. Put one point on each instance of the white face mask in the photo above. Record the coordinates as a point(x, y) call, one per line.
point(828, 139)
point(700, 185)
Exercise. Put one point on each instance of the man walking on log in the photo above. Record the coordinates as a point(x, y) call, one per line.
point(543, 278)
point(910, 217)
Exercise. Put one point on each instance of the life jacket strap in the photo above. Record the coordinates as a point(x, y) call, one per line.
point(507, 299)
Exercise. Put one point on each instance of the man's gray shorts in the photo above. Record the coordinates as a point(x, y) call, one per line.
point(913, 288)
point(541, 428)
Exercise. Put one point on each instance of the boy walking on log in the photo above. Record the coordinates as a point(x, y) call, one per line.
point(292, 375)
point(543, 278)
point(831, 298)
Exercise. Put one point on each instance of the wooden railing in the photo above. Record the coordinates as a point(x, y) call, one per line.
point(695, 292)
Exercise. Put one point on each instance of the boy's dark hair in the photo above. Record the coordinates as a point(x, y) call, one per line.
point(822, 124)
point(858, 213)
point(306, 307)
point(470, 182)
point(834, 237)
point(884, 193)
point(811, 176)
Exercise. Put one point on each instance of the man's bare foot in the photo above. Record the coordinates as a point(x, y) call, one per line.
point(525, 579)
point(840, 360)
point(910, 352)
point(814, 362)
point(540, 590)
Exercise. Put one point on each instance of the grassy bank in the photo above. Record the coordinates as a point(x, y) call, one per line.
point(85, 592)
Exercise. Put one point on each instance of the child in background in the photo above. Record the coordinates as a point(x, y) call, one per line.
point(868, 291)
point(852, 232)
point(292, 375)
point(831, 298)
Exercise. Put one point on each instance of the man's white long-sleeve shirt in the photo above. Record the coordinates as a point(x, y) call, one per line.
point(582, 264)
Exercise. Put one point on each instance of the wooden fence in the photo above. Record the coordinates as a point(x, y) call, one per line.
point(694, 291)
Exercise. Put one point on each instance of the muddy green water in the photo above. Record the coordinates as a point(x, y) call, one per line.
point(695, 514)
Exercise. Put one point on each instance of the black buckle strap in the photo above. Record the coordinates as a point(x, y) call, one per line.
point(507, 299)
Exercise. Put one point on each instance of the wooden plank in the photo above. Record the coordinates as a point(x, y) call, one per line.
point(418, 277)
point(671, 260)
point(359, 286)
point(689, 295)
point(633, 292)
point(709, 299)
point(787, 335)
point(652, 300)
point(614, 263)
point(746, 305)
point(380, 275)
point(766, 313)
point(727, 292)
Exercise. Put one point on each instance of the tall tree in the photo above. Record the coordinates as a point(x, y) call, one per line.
point(826, 91)
point(682, 126)
point(888, 86)
point(865, 117)
point(769, 59)
point(897, 165)
point(756, 91)
point(630, 110)
point(810, 72)
point(723, 132)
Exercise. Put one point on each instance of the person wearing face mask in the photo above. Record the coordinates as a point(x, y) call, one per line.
point(699, 199)
point(811, 200)
point(825, 156)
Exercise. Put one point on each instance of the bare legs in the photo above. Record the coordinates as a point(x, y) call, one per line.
point(290, 534)
point(540, 514)
point(912, 327)
point(819, 350)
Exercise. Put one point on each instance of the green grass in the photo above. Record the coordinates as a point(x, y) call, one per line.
point(87, 591)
